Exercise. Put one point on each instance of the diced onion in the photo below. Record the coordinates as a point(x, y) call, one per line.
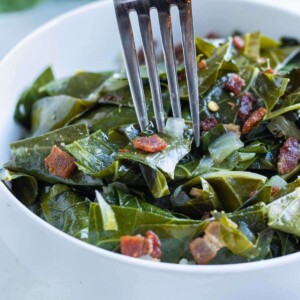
point(175, 127)
point(224, 145)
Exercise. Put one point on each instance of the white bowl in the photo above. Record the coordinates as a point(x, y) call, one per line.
point(88, 38)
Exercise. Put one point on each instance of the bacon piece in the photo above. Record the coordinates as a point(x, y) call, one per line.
point(254, 119)
point(134, 246)
point(206, 248)
point(246, 106)
point(238, 42)
point(60, 163)
point(208, 124)
point(234, 84)
point(138, 246)
point(153, 245)
point(150, 144)
point(289, 156)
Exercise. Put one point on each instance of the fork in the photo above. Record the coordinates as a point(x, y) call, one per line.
point(123, 9)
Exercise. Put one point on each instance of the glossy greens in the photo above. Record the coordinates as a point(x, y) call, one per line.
point(232, 181)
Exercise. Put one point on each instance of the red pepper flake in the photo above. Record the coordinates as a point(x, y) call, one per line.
point(150, 144)
point(208, 124)
point(254, 120)
point(234, 84)
point(275, 190)
point(202, 64)
point(269, 71)
point(60, 163)
point(123, 150)
point(246, 106)
point(238, 43)
point(137, 246)
point(253, 194)
point(289, 156)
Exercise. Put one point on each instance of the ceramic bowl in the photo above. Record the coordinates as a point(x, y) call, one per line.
point(88, 38)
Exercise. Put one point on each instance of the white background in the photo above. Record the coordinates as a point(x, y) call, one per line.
point(16, 282)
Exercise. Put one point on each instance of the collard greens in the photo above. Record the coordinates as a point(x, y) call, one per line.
point(233, 180)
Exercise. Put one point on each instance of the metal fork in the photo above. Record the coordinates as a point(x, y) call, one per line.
point(123, 9)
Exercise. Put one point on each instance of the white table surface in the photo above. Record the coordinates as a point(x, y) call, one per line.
point(16, 282)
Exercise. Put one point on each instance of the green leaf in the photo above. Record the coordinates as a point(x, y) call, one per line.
point(204, 47)
point(204, 198)
point(252, 45)
point(270, 88)
point(165, 160)
point(108, 215)
point(82, 85)
point(234, 187)
point(254, 216)
point(65, 209)
point(93, 153)
point(29, 156)
point(232, 238)
point(51, 113)
point(24, 186)
point(284, 213)
point(219, 64)
point(15, 5)
point(156, 181)
point(29, 97)
point(128, 220)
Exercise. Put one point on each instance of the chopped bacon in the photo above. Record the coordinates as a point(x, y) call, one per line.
point(154, 244)
point(208, 124)
point(60, 163)
point(238, 42)
point(235, 84)
point(254, 120)
point(289, 156)
point(246, 106)
point(134, 246)
point(150, 144)
point(275, 190)
point(138, 246)
point(202, 64)
point(233, 128)
point(206, 248)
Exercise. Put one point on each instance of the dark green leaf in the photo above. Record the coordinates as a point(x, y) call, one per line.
point(29, 97)
point(29, 155)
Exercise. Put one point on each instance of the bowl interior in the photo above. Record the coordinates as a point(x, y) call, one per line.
point(88, 39)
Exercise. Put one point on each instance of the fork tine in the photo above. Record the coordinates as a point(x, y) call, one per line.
point(149, 51)
point(189, 53)
point(132, 66)
point(169, 56)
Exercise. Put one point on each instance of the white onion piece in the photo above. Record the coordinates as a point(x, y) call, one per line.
point(175, 127)
point(224, 145)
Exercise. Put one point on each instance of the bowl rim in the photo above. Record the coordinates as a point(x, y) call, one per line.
point(139, 263)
